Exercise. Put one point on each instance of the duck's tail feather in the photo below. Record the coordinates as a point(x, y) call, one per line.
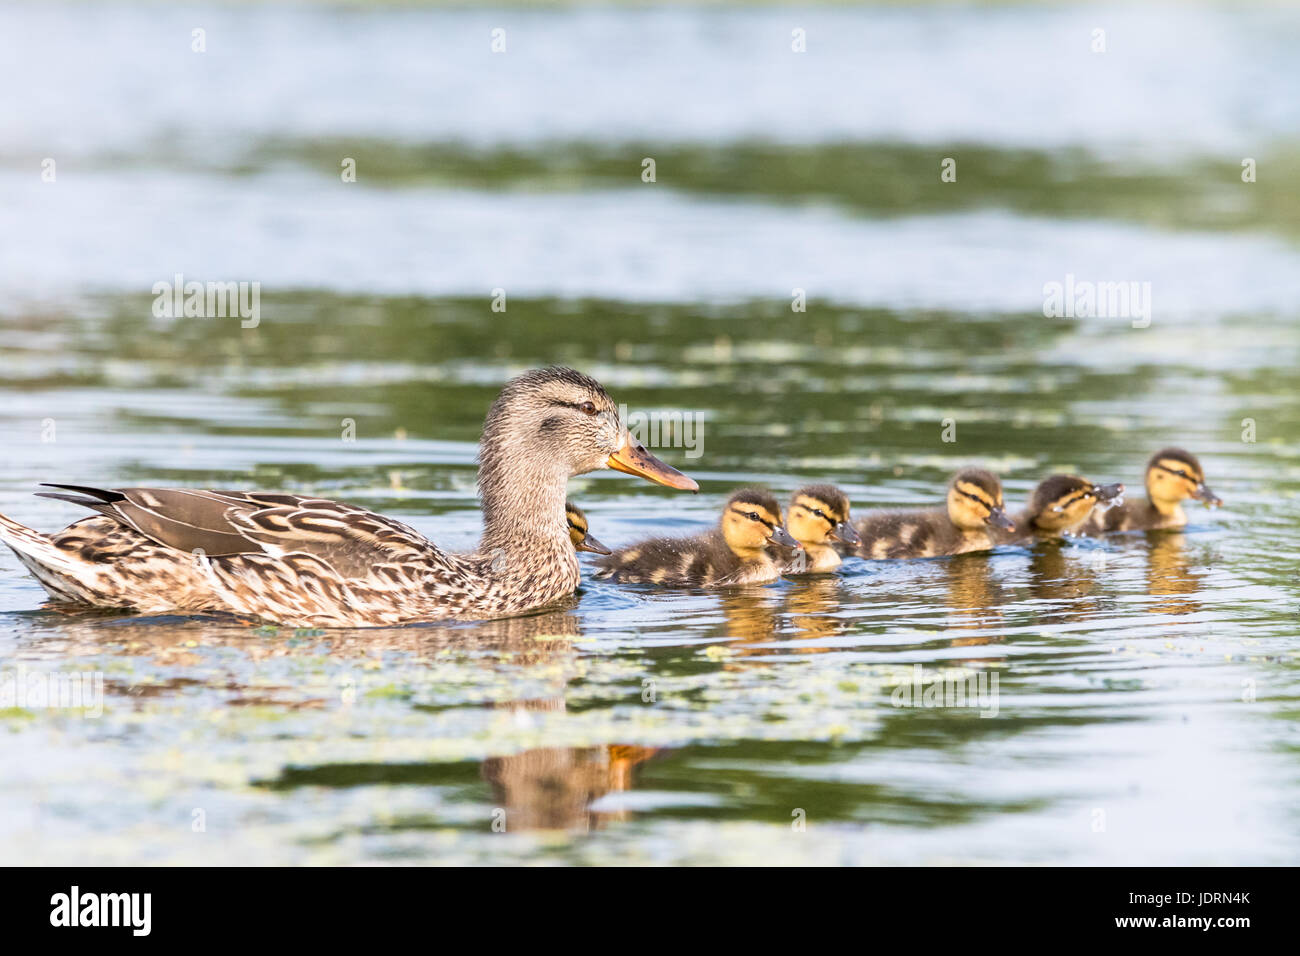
point(54, 568)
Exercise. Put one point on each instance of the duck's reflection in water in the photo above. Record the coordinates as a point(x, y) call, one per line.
point(1170, 575)
point(812, 606)
point(553, 788)
point(755, 617)
point(751, 616)
point(543, 788)
point(1065, 578)
point(975, 599)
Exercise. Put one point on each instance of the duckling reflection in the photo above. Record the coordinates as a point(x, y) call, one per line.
point(1170, 575)
point(751, 615)
point(1065, 580)
point(811, 607)
point(975, 598)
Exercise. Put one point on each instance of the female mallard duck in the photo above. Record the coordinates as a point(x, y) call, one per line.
point(307, 561)
point(735, 552)
point(1172, 476)
point(578, 533)
point(1060, 506)
point(819, 515)
point(973, 517)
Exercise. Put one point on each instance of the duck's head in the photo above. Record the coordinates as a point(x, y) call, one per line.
point(975, 501)
point(578, 534)
point(1063, 502)
point(553, 423)
point(751, 521)
point(819, 514)
point(1173, 475)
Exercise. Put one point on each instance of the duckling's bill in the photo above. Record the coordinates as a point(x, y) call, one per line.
point(784, 539)
point(1108, 496)
point(634, 459)
point(589, 543)
point(998, 518)
point(845, 532)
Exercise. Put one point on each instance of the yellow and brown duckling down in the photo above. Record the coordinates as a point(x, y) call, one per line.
point(818, 518)
point(972, 521)
point(300, 560)
point(1172, 476)
point(735, 552)
point(578, 533)
point(1060, 505)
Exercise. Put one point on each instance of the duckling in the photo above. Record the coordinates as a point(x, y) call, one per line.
point(973, 517)
point(735, 552)
point(304, 561)
point(1172, 476)
point(578, 533)
point(1060, 505)
point(819, 515)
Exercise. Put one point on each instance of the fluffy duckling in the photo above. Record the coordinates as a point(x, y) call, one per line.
point(1172, 476)
point(578, 533)
point(974, 516)
point(819, 515)
point(1060, 506)
point(735, 552)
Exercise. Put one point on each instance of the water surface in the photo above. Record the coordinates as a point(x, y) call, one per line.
point(1148, 685)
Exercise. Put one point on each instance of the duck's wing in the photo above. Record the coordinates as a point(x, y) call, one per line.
point(351, 540)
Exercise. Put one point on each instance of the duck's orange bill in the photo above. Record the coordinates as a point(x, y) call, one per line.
point(633, 459)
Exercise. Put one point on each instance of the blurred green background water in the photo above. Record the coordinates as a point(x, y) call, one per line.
point(1147, 686)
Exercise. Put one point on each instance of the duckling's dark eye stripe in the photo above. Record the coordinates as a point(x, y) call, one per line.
point(1175, 471)
point(982, 501)
point(816, 511)
point(753, 516)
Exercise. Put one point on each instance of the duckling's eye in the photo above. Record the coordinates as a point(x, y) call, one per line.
point(752, 517)
point(588, 408)
point(819, 513)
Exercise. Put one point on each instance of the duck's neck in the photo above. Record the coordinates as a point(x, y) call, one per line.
point(525, 531)
point(522, 509)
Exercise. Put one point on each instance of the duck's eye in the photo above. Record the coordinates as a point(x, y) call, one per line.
point(752, 517)
point(588, 408)
point(819, 513)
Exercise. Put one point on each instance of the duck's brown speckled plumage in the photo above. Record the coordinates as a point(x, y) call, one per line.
point(707, 560)
point(301, 560)
point(1172, 476)
point(974, 500)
